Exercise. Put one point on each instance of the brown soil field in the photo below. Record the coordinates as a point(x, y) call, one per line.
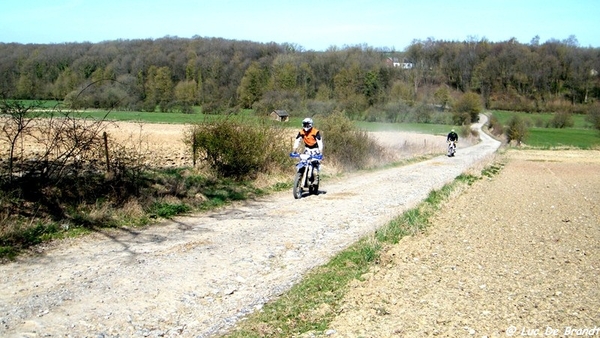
point(514, 255)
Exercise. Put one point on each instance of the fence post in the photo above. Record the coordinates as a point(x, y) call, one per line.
point(194, 148)
point(105, 137)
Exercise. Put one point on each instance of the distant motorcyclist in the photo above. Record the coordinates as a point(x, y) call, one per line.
point(452, 139)
point(313, 142)
point(452, 136)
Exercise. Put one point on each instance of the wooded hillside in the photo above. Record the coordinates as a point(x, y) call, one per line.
point(176, 74)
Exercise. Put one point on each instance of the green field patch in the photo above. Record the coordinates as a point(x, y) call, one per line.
point(553, 138)
point(539, 120)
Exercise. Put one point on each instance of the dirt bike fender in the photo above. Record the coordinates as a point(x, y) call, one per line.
point(301, 165)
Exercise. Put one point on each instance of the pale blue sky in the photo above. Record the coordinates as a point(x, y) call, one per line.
point(311, 24)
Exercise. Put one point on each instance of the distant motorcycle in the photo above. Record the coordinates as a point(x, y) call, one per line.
point(306, 176)
point(451, 148)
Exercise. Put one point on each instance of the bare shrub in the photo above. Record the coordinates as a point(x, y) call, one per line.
point(594, 116)
point(64, 169)
point(48, 144)
point(17, 123)
point(397, 111)
point(423, 113)
point(466, 109)
point(562, 119)
point(346, 145)
point(516, 130)
point(495, 126)
point(237, 148)
point(511, 100)
point(559, 105)
point(467, 132)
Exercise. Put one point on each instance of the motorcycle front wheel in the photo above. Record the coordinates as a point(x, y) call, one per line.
point(450, 152)
point(313, 189)
point(297, 190)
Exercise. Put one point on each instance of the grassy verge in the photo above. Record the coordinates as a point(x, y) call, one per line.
point(165, 194)
point(547, 138)
point(539, 135)
point(539, 119)
point(311, 305)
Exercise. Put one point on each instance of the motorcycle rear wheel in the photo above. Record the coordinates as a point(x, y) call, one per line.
point(297, 189)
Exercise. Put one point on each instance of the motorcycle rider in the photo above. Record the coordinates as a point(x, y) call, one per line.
point(313, 142)
point(452, 138)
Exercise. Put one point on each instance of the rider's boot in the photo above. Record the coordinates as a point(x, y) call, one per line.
point(314, 177)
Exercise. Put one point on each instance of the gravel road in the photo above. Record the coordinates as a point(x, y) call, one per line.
point(197, 275)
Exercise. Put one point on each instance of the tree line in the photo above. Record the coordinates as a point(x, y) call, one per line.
point(177, 74)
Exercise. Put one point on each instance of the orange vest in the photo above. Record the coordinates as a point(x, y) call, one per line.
point(310, 137)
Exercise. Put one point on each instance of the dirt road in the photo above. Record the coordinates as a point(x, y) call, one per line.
point(197, 275)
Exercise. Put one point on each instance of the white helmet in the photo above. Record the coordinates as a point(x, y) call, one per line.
point(307, 124)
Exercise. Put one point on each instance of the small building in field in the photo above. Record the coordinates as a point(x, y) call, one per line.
point(280, 115)
point(392, 62)
point(395, 62)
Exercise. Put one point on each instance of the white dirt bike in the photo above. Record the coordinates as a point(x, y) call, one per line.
point(451, 148)
point(306, 174)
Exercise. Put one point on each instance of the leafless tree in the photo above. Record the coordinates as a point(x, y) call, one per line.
point(17, 123)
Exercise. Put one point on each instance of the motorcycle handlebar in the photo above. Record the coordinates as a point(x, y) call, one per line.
point(314, 156)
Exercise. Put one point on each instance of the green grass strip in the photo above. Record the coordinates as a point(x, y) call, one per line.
point(313, 303)
point(548, 138)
